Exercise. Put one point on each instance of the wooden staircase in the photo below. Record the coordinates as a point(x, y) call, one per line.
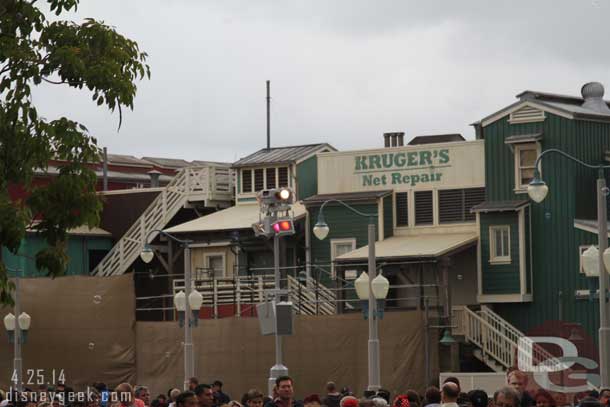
point(212, 185)
point(498, 343)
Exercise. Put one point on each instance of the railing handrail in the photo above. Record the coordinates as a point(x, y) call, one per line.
point(488, 330)
point(252, 289)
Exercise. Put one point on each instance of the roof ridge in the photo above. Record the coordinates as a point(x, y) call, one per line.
point(294, 146)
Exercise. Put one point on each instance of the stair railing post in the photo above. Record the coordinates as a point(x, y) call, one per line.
point(215, 296)
point(238, 296)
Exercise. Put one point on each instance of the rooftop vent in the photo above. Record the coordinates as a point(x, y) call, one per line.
point(593, 94)
point(154, 178)
point(394, 139)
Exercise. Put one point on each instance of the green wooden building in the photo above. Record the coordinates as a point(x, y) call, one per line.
point(86, 248)
point(529, 267)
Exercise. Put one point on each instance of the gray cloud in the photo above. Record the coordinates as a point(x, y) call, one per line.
point(342, 71)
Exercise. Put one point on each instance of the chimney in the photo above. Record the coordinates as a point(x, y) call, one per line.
point(396, 139)
point(154, 178)
point(593, 94)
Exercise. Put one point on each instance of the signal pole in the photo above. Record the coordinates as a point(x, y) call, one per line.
point(278, 369)
point(274, 202)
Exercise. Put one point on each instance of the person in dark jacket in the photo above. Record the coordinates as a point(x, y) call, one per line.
point(285, 394)
point(220, 398)
point(333, 397)
point(517, 380)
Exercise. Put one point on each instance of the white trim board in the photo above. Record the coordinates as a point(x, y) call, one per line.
point(498, 298)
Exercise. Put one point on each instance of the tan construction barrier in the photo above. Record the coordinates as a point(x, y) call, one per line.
point(81, 326)
point(321, 349)
point(84, 327)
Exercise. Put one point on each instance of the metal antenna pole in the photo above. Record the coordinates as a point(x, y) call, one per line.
point(268, 115)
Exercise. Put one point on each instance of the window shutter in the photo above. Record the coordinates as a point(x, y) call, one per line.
point(258, 179)
point(424, 214)
point(454, 205)
point(472, 197)
point(270, 172)
point(283, 177)
point(246, 181)
point(526, 114)
point(402, 209)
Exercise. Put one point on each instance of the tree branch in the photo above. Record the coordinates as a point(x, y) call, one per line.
point(61, 82)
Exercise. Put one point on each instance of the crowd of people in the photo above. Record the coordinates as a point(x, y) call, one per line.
point(450, 394)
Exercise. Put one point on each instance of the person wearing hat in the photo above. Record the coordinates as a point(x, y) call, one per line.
point(349, 401)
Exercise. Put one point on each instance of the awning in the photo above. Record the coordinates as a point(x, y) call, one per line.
point(588, 225)
point(235, 217)
point(83, 230)
point(499, 206)
point(431, 245)
point(523, 138)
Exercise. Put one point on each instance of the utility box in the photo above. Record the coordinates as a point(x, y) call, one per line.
point(266, 317)
point(284, 318)
point(267, 312)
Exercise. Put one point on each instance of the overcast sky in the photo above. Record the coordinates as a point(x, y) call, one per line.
point(341, 71)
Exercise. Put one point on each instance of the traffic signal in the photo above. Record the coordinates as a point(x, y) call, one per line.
point(276, 196)
point(283, 226)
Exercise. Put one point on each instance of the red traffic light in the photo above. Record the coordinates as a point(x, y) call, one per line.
point(283, 226)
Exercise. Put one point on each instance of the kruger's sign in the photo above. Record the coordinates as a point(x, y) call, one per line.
point(409, 168)
point(412, 167)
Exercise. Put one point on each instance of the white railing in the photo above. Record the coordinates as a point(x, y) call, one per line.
point(498, 339)
point(192, 183)
point(245, 290)
point(311, 298)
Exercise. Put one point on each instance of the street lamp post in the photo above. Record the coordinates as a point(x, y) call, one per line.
point(17, 329)
point(537, 190)
point(372, 290)
point(195, 301)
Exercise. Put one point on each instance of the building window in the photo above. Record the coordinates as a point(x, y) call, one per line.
point(424, 213)
point(271, 177)
point(401, 202)
point(454, 204)
point(525, 157)
point(282, 175)
point(339, 247)
point(215, 264)
point(246, 181)
point(259, 181)
point(499, 244)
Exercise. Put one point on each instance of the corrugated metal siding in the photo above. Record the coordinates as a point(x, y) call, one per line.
point(388, 217)
point(500, 278)
point(307, 178)
point(343, 224)
point(555, 240)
